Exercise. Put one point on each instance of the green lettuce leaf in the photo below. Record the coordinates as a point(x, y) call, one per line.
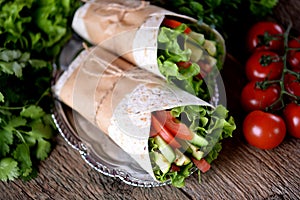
point(171, 51)
point(213, 124)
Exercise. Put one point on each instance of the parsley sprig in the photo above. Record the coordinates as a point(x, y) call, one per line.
point(26, 128)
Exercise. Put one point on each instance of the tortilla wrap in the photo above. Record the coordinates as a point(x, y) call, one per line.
point(118, 98)
point(129, 29)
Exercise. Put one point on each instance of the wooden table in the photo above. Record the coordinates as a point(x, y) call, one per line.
point(240, 172)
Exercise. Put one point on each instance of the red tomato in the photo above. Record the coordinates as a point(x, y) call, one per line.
point(264, 130)
point(292, 84)
point(205, 68)
point(176, 128)
point(265, 36)
point(164, 133)
point(184, 64)
point(174, 168)
point(202, 164)
point(153, 132)
point(263, 65)
point(254, 98)
point(171, 23)
point(293, 56)
point(291, 115)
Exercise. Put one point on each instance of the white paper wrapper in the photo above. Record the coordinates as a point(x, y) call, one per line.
point(128, 28)
point(119, 98)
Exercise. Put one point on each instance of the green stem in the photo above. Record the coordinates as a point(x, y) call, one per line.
point(20, 136)
point(291, 72)
point(11, 108)
point(285, 71)
point(45, 93)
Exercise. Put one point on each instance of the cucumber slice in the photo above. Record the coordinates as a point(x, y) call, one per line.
point(165, 149)
point(161, 162)
point(198, 140)
point(210, 47)
point(198, 37)
point(181, 159)
point(196, 50)
point(196, 152)
point(192, 149)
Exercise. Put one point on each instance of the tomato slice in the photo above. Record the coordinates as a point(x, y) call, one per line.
point(201, 164)
point(205, 68)
point(184, 64)
point(153, 132)
point(171, 23)
point(174, 168)
point(164, 133)
point(176, 128)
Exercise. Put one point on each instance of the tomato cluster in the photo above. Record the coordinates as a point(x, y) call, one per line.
point(272, 95)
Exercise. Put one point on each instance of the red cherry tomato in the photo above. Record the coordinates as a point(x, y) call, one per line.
point(292, 84)
point(176, 128)
point(264, 130)
point(263, 65)
point(164, 133)
point(291, 115)
point(265, 35)
point(293, 56)
point(255, 98)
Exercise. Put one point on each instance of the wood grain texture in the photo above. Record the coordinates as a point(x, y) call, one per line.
point(240, 172)
point(286, 12)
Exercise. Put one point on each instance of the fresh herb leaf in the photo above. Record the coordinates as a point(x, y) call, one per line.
point(15, 122)
point(33, 112)
point(8, 169)
point(41, 27)
point(6, 139)
point(1, 98)
point(43, 149)
point(22, 155)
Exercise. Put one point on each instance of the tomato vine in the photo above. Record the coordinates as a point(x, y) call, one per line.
point(283, 92)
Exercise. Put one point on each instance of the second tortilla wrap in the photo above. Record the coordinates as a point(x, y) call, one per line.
point(130, 29)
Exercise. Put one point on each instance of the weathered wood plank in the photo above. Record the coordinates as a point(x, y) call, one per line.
point(286, 12)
